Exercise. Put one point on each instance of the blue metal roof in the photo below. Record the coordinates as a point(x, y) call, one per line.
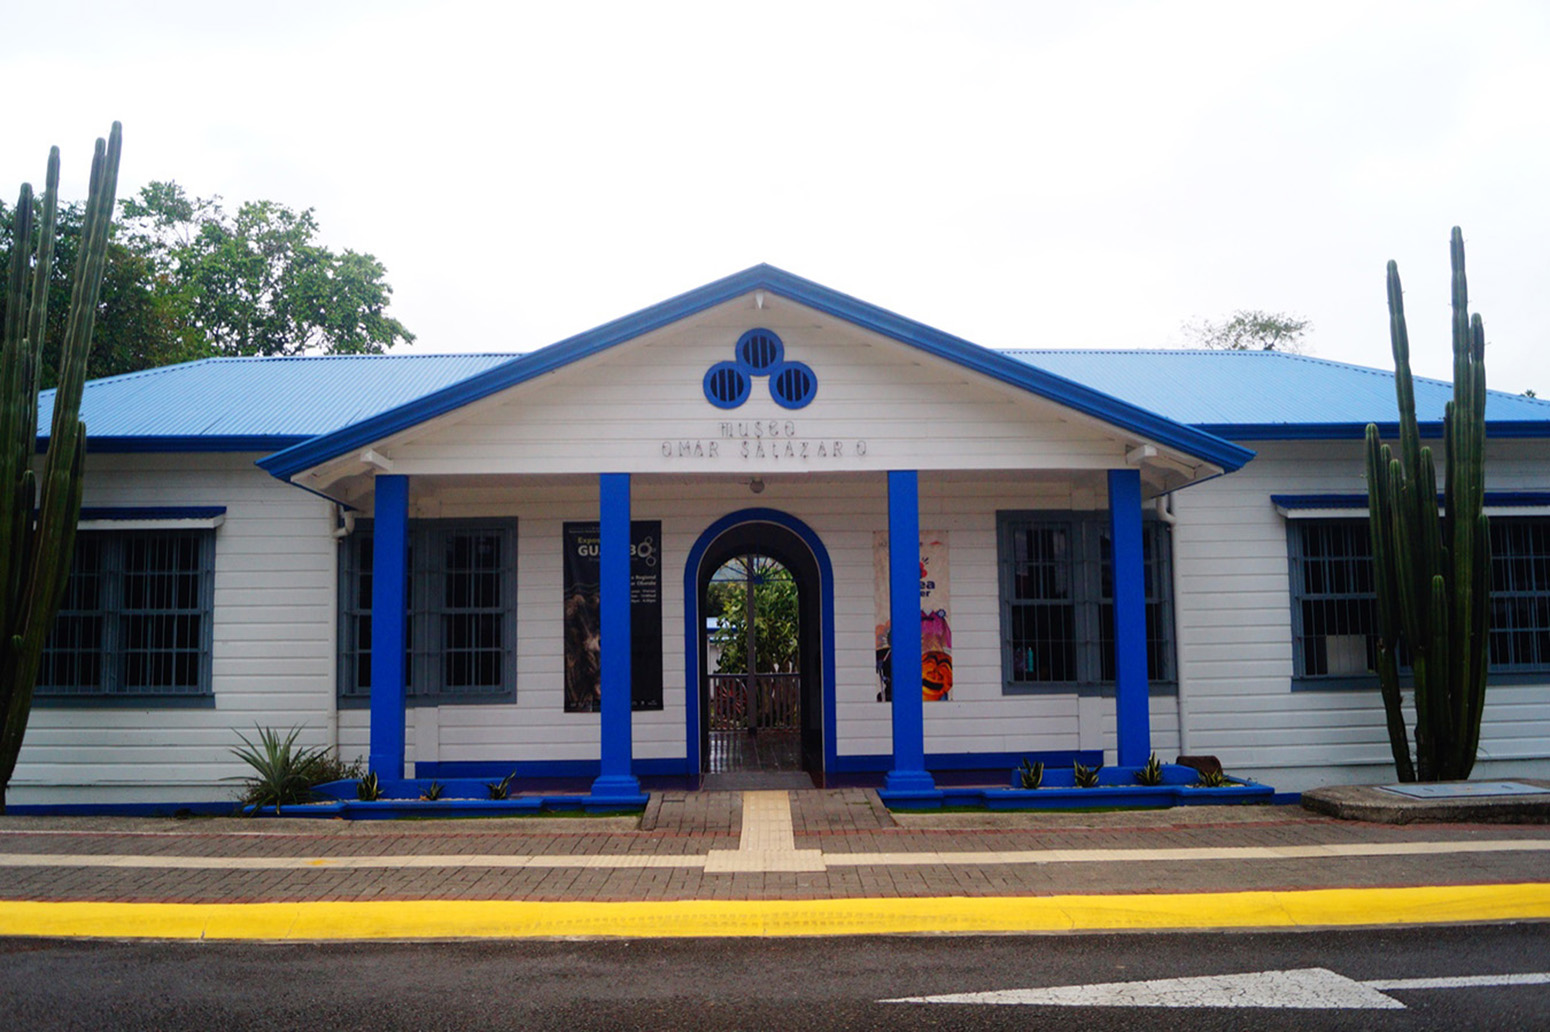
point(1069, 393)
point(318, 405)
point(255, 404)
point(1271, 395)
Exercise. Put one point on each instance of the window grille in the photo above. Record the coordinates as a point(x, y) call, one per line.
point(1334, 601)
point(460, 641)
point(1057, 611)
point(135, 620)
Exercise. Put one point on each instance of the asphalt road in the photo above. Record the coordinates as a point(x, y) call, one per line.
point(813, 985)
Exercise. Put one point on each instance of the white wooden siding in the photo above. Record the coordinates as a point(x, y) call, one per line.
point(272, 642)
point(632, 408)
point(1235, 637)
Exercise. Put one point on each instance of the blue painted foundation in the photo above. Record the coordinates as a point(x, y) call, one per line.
point(1116, 788)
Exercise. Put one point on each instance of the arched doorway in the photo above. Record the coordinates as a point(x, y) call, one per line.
point(753, 666)
point(778, 540)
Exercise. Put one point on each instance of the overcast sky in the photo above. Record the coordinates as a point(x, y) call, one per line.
point(1020, 174)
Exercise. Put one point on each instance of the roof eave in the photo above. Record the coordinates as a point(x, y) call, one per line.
point(1194, 441)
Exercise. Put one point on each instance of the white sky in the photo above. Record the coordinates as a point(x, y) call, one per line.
point(1023, 175)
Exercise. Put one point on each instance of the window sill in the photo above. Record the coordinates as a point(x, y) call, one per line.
point(121, 701)
point(1369, 682)
point(1103, 688)
point(355, 702)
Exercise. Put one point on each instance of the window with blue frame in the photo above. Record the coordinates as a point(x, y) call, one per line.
point(1334, 601)
point(461, 635)
point(1057, 603)
point(135, 620)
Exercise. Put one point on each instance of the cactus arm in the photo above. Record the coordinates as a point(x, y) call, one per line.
point(1384, 579)
point(36, 553)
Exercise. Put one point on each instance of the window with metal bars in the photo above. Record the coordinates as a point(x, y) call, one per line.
point(461, 634)
point(1057, 601)
point(1334, 602)
point(135, 620)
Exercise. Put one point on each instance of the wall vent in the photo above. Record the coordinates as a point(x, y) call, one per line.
point(793, 385)
point(727, 385)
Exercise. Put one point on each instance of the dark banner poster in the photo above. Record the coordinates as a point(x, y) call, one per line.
point(583, 692)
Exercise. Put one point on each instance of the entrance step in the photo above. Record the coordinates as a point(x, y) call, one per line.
point(757, 780)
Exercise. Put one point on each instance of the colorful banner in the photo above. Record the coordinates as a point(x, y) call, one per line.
point(583, 686)
point(936, 632)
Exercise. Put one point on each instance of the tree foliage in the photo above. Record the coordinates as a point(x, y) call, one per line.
point(258, 282)
point(1251, 330)
point(184, 279)
point(776, 617)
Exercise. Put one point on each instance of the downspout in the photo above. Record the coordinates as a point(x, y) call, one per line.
point(1166, 514)
point(343, 525)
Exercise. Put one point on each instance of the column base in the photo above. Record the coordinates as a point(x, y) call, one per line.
point(910, 783)
point(616, 790)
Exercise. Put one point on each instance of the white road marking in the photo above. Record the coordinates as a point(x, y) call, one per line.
point(1300, 988)
point(1303, 988)
point(1460, 982)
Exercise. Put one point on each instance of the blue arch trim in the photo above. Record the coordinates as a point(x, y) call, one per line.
point(694, 623)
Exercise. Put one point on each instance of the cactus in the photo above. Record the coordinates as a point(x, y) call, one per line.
point(37, 545)
point(1432, 569)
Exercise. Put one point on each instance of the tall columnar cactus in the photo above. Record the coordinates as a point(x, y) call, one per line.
point(1433, 570)
point(37, 528)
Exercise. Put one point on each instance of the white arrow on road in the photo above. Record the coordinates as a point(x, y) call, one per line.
point(1304, 988)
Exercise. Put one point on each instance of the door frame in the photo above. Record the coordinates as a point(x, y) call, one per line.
point(694, 627)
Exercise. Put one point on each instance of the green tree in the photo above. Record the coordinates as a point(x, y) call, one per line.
point(137, 325)
point(1251, 330)
point(258, 282)
point(776, 616)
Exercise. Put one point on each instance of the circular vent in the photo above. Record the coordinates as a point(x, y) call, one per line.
point(760, 350)
point(793, 385)
point(727, 385)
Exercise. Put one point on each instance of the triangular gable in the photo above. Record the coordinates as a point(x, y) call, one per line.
point(1068, 393)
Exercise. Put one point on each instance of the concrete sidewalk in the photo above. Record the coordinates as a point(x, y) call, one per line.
point(809, 862)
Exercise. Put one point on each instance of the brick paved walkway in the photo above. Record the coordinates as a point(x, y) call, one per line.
point(820, 844)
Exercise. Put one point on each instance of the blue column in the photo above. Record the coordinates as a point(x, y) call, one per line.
point(389, 620)
point(1130, 688)
point(909, 750)
point(616, 777)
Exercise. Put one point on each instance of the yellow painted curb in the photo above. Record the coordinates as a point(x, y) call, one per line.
point(458, 919)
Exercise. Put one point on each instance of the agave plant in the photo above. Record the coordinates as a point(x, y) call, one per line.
point(1212, 779)
point(1151, 774)
point(502, 788)
point(369, 788)
point(432, 792)
point(1031, 774)
point(1085, 777)
point(283, 772)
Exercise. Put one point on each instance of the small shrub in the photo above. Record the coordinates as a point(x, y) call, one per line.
point(1031, 774)
point(369, 788)
point(1212, 779)
point(332, 768)
point(502, 788)
point(1085, 777)
point(1151, 774)
point(283, 772)
point(432, 793)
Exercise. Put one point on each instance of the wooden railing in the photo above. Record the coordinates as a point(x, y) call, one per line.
point(776, 705)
